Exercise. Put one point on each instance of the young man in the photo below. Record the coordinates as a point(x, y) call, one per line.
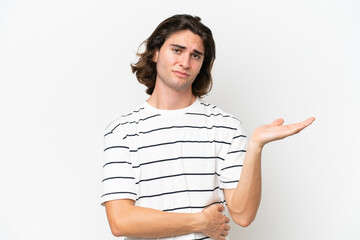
point(174, 163)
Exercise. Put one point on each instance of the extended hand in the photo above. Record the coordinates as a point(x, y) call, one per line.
point(275, 131)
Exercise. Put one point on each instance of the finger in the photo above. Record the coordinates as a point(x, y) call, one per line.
point(220, 207)
point(227, 220)
point(309, 121)
point(227, 227)
point(277, 122)
point(297, 127)
point(306, 123)
point(225, 233)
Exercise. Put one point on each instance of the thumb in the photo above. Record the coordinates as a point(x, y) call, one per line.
point(277, 122)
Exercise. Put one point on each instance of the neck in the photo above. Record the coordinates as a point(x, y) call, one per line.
point(171, 100)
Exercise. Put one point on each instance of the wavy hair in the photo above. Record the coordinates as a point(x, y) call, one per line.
point(145, 68)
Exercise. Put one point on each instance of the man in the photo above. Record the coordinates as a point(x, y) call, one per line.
point(174, 163)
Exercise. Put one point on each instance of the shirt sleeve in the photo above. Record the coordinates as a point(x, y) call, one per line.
point(231, 168)
point(118, 176)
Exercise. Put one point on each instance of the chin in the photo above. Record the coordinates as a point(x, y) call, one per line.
point(183, 87)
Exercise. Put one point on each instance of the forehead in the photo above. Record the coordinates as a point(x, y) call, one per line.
point(187, 39)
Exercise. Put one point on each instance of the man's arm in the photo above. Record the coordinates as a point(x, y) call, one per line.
point(243, 201)
point(125, 219)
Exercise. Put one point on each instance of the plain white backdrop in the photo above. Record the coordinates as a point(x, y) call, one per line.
point(65, 74)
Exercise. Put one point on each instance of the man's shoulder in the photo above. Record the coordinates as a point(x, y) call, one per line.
point(124, 120)
point(213, 111)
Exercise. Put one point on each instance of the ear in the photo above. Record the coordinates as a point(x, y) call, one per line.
point(156, 55)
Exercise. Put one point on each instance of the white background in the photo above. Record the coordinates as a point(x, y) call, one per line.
point(64, 70)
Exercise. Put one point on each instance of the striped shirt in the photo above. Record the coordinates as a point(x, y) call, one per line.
point(173, 160)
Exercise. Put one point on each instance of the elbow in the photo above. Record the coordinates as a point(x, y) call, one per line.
point(118, 212)
point(243, 220)
point(118, 229)
point(116, 232)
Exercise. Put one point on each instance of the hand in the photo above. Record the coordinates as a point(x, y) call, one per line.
point(215, 223)
point(276, 131)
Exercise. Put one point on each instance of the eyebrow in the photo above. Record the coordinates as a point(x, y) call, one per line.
point(183, 47)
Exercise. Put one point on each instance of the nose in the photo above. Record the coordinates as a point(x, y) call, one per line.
point(184, 61)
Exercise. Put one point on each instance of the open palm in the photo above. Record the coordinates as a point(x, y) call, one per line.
point(276, 130)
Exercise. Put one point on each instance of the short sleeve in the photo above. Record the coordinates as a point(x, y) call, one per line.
point(118, 178)
point(231, 168)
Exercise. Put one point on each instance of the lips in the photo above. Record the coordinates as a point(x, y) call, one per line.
point(181, 74)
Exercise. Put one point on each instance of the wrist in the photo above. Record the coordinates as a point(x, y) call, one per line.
point(254, 145)
point(199, 222)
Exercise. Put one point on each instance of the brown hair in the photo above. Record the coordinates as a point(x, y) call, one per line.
point(145, 68)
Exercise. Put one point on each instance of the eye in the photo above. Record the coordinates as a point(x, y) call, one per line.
point(176, 50)
point(196, 56)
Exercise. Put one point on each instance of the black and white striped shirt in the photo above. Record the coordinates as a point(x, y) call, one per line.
point(173, 160)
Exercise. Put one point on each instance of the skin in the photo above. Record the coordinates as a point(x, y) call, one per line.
point(179, 61)
point(243, 201)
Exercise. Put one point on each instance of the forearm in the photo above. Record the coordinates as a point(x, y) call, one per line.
point(150, 223)
point(245, 199)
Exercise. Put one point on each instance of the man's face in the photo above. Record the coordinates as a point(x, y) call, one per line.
point(179, 61)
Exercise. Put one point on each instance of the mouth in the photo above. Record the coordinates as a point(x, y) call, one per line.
point(181, 74)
